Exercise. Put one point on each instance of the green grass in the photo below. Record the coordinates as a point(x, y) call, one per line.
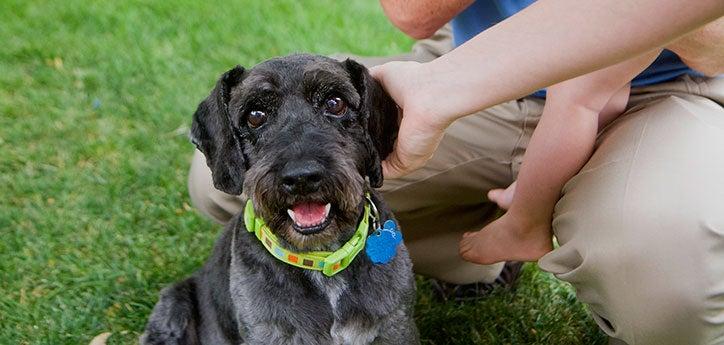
point(95, 102)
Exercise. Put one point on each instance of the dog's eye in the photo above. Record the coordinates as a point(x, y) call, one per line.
point(335, 106)
point(256, 118)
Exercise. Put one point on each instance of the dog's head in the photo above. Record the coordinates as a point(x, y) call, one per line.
point(299, 135)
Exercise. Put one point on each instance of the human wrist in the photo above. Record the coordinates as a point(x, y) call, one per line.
point(702, 49)
point(433, 94)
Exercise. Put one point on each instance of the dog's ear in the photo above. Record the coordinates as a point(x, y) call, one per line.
point(213, 134)
point(381, 119)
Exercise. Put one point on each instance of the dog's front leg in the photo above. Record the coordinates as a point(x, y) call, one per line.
point(354, 332)
point(173, 321)
point(274, 332)
point(398, 329)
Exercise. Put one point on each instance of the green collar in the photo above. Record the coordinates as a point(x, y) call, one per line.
point(330, 263)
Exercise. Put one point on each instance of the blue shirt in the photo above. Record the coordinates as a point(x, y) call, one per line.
point(483, 14)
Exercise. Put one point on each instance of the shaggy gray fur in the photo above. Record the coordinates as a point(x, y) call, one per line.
point(243, 294)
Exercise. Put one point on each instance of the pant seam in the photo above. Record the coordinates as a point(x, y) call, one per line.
point(525, 110)
point(624, 204)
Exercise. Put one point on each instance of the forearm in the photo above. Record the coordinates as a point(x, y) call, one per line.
point(421, 18)
point(552, 41)
point(594, 90)
point(703, 49)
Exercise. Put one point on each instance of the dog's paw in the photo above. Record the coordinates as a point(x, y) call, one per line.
point(170, 332)
point(154, 338)
point(163, 338)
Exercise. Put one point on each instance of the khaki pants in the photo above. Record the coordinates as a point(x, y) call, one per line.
point(640, 227)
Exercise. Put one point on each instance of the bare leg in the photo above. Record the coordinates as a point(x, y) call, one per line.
point(558, 148)
point(523, 233)
point(617, 104)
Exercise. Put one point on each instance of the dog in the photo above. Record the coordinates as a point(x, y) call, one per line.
point(301, 138)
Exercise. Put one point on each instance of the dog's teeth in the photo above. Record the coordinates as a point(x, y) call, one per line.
point(291, 215)
point(327, 207)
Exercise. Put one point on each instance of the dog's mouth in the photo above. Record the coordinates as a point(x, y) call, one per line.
point(309, 217)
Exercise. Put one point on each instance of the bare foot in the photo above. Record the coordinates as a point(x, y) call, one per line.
point(506, 240)
point(503, 197)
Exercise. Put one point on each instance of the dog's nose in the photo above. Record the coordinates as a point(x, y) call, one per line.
point(302, 177)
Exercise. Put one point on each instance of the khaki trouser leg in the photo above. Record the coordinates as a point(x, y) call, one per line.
point(212, 202)
point(641, 227)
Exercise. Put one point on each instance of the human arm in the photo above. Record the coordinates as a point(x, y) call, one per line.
point(604, 92)
point(515, 57)
point(703, 49)
point(421, 18)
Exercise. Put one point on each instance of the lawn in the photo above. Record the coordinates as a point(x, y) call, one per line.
point(95, 102)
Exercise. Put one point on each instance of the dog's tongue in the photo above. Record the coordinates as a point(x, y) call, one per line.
point(308, 214)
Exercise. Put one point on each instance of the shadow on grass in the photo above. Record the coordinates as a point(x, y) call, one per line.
point(540, 310)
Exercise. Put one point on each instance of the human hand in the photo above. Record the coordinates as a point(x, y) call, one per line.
point(421, 125)
point(703, 49)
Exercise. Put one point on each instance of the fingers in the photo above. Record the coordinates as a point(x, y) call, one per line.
point(376, 72)
point(401, 161)
point(417, 137)
point(392, 167)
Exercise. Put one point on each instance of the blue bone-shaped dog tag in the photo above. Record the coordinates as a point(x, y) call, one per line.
point(382, 244)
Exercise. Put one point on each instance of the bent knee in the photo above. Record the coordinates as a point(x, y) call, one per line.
point(640, 293)
point(212, 202)
point(646, 273)
point(641, 227)
point(647, 302)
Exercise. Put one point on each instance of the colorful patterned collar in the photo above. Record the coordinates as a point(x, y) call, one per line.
point(330, 263)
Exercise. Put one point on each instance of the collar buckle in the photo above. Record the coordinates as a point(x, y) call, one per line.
point(374, 215)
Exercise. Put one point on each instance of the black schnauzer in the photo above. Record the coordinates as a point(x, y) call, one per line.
point(302, 137)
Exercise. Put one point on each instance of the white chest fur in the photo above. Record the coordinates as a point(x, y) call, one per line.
point(345, 331)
